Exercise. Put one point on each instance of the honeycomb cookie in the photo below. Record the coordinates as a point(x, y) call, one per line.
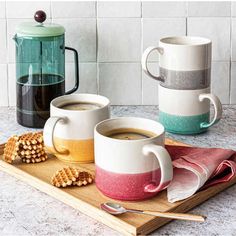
point(33, 147)
point(11, 149)
point(84, 178)
point(29, 147)
point(65, 177)
point(31, 153)
point(29, 160)
point(31, 138)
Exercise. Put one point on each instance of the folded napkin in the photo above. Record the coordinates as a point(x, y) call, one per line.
point(196, 168)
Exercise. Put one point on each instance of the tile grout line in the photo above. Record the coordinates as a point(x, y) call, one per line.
point(97, 64)
point(141, 22)
point(7, 64)
point(51, 9)
point(231, 51)
point(186, 19)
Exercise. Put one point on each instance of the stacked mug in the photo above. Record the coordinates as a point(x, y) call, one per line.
point(184, 89)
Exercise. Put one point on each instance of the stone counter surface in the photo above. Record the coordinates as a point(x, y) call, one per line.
point(26, 211)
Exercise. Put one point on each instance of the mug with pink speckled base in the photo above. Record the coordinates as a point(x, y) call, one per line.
point(130, 158)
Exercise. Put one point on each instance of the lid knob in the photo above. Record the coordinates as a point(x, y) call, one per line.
point(40, 16)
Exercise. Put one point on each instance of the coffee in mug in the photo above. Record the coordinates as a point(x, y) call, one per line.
point(81, 106)
point(131, 161)
point(68, 133)
point(129, 134)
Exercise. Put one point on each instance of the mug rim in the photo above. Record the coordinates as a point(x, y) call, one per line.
point(158, 124)
point(193, 41)
point(105, 104)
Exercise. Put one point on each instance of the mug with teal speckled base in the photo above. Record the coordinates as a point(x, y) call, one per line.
point(187, 111)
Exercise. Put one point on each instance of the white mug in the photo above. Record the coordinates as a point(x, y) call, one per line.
point(131, 169)
point(68, 134)
point(185, 62)
point(187, 111)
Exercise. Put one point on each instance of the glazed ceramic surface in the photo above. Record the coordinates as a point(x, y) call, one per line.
point(184, 62)
point(131, 169)
point(68, 134)
point(187, 111)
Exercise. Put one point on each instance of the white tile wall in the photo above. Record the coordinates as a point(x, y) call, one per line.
point(119, 9)
point(233, 8)
point(12, 84)
point(111, 36)
point(81, 35)
point(155, 29)
point(233, 39)
point(150, 86)
point(215, 28)
point(220, 80)
point(2, 10)
point(209, 8)
point(3, 43)
point(73, 9)
point(119, 39)
point(4, 85)
point(233, 83)
point(87, 74)
point(120, 82)
point(26, 9)
point(164, 9)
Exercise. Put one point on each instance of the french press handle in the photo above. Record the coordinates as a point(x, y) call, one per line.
point(76, 59)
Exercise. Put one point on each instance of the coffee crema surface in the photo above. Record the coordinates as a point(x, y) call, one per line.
point(81, 106)
point(129, 134)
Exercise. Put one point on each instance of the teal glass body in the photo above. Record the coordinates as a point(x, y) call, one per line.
point(40, 55)
point(40, 77)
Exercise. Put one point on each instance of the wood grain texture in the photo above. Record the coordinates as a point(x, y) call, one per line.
point(88, 199)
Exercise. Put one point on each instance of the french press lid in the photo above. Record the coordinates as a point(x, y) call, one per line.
point(38, 28)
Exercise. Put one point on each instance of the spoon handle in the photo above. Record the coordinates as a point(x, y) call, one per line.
point(177, 216)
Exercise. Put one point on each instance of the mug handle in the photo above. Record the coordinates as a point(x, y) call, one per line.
point(48, 132)
point(217, 107)
point(166, 167)
point(145, 59)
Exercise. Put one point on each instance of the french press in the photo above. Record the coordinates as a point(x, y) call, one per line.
point(40, 69)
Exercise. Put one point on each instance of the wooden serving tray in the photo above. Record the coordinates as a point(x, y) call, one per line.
point(88, 199)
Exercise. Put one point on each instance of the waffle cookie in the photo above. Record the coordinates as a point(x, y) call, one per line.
point(34, 159)
point(31, 153)
point(29, 147)
point(84, 178)
point(11, 149)
point(29, 139)
point(32, 146)
point(65, 177)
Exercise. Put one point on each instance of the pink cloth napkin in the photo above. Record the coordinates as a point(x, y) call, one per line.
point(196, 168)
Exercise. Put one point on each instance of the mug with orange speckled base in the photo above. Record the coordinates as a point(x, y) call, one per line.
point(69, 132)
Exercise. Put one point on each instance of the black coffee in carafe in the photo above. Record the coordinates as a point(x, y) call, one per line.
point(33, 100)
point(40, 69)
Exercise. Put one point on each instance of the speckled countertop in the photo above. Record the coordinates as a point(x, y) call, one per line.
point(26, 211)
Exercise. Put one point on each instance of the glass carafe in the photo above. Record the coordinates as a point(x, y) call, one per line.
point(40, 69)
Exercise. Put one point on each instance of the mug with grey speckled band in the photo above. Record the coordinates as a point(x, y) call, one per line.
point(185, 62)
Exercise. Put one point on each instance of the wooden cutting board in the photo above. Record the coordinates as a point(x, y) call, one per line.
point(88, 199)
